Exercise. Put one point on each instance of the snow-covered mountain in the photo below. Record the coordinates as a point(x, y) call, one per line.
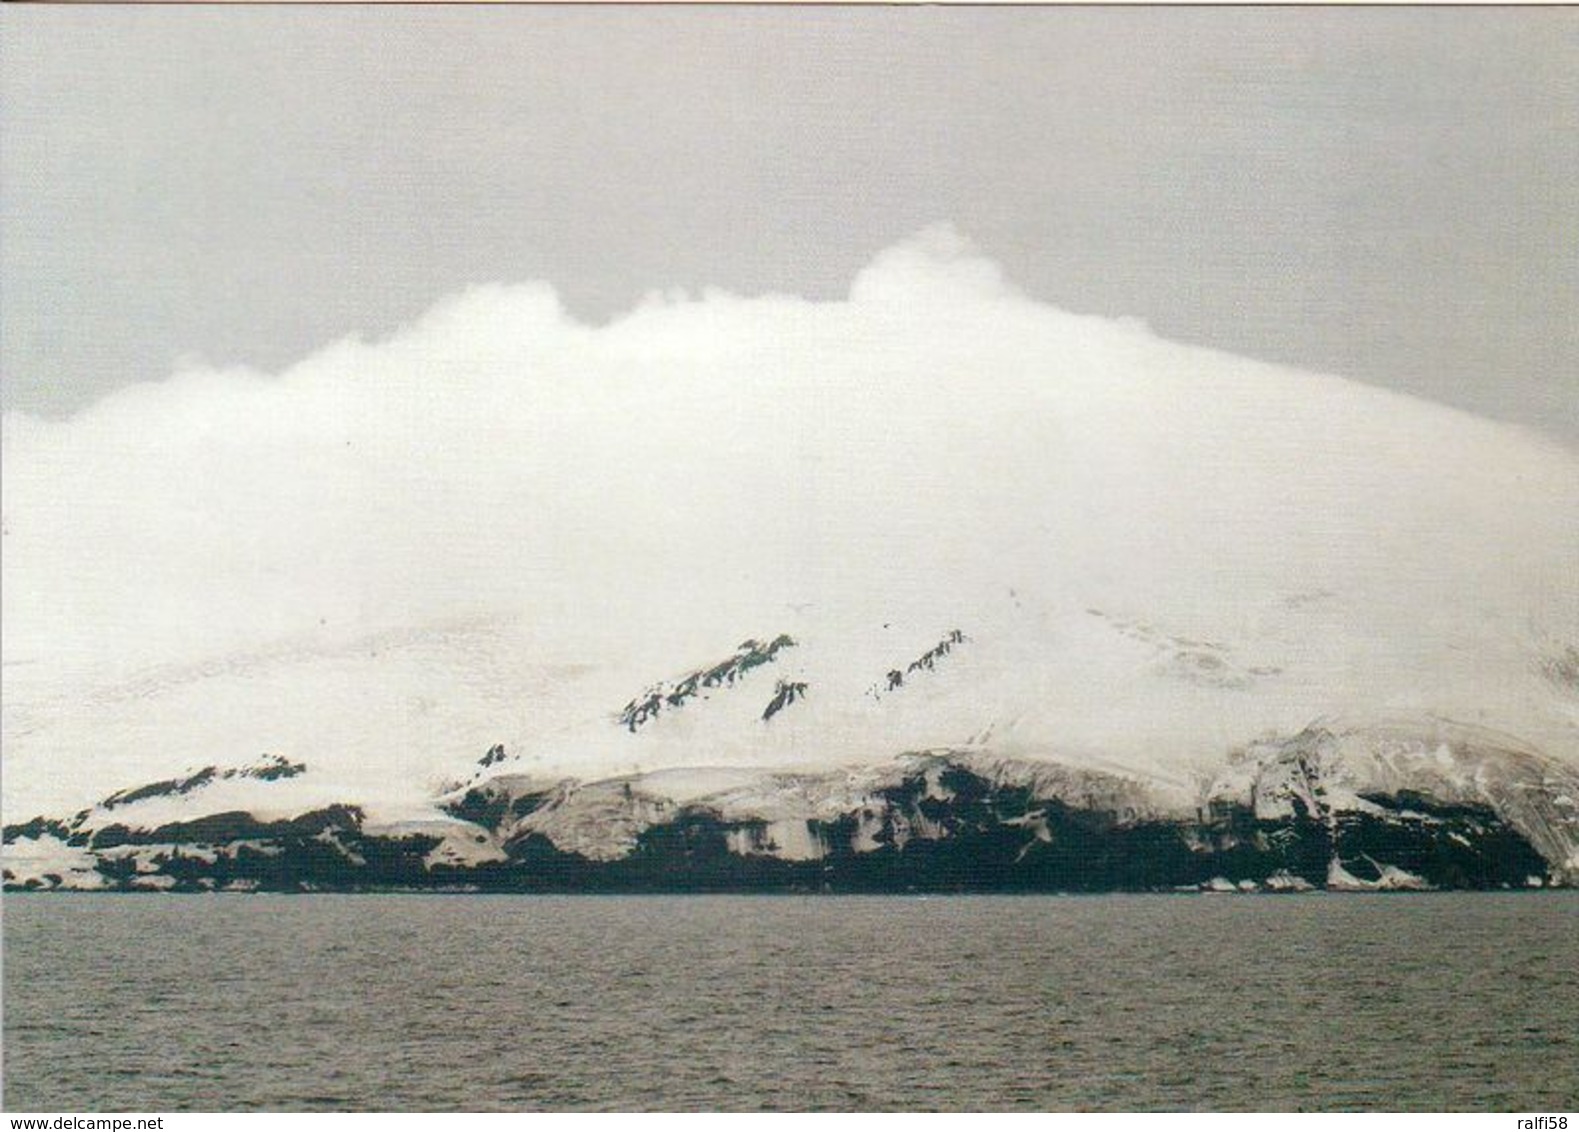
point(935, 587)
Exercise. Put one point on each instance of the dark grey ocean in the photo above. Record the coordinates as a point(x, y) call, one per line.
point(1325, 1002)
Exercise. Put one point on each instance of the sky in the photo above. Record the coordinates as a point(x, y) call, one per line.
point(1385, 193)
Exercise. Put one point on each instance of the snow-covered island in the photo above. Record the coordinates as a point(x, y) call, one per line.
point(933, 588)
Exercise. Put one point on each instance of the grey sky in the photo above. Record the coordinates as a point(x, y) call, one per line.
point(1386, 193)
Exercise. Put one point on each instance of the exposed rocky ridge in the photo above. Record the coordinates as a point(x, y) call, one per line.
point(926, 662)
point(267, 769)
point(750, 654)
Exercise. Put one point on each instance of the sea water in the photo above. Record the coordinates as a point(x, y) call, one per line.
point(345, 1002)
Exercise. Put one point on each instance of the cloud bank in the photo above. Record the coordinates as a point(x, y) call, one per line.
point(677, 479)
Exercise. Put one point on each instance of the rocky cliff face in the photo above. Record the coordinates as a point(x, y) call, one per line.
point(1360, 809)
